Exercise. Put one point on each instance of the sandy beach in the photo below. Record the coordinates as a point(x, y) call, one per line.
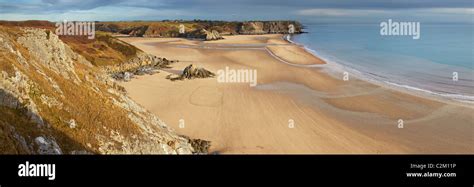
point(296, 106)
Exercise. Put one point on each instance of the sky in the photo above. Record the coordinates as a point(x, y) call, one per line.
point(318, 11)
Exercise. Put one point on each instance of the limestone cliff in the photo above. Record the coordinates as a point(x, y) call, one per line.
point(205, 35)
point(269, 27)
point(55, 101)
point(208, 30)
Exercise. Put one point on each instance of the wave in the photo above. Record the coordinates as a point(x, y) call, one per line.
point(333, 65)
point(458, 97)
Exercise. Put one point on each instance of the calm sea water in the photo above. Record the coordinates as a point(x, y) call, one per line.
point(427, 64)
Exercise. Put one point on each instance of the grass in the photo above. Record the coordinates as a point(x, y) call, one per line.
point(92, 111)
point(104, 50)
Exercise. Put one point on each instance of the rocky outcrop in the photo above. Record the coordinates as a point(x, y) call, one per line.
point(199, 146)
point(191, 72)
point(54, 101)
point(140, 65)
point(51, 52)
point(205, 35)
point(47, 146)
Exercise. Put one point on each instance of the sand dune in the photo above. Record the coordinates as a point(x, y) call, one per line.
point(328, 115)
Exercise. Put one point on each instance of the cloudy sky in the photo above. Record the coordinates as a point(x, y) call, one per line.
point(303, 10)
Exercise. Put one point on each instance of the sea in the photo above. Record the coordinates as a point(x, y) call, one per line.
point(440, 62)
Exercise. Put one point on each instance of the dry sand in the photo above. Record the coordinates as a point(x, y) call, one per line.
point(328, 115)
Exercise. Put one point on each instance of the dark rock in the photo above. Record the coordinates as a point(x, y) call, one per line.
point(199, 146)
point(191, 72)
point(140, 65)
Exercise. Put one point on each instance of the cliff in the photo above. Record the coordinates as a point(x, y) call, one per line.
point(56, 101)
point(269, 27)
point(204, 35)
point(194, 29)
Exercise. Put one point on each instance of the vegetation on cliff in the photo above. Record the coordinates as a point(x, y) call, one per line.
point(53, 100)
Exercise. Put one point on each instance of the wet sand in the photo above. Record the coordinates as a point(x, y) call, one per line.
point(296, 106)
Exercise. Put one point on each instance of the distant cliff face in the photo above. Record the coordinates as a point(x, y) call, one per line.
point(269, 27)
point(55, 101)
point(204, 35)
point(194, 29)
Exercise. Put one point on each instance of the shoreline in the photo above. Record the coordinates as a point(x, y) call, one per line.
point(453, 98)
point(330, 115)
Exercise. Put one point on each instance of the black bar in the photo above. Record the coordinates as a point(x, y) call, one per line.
point(380, 170)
